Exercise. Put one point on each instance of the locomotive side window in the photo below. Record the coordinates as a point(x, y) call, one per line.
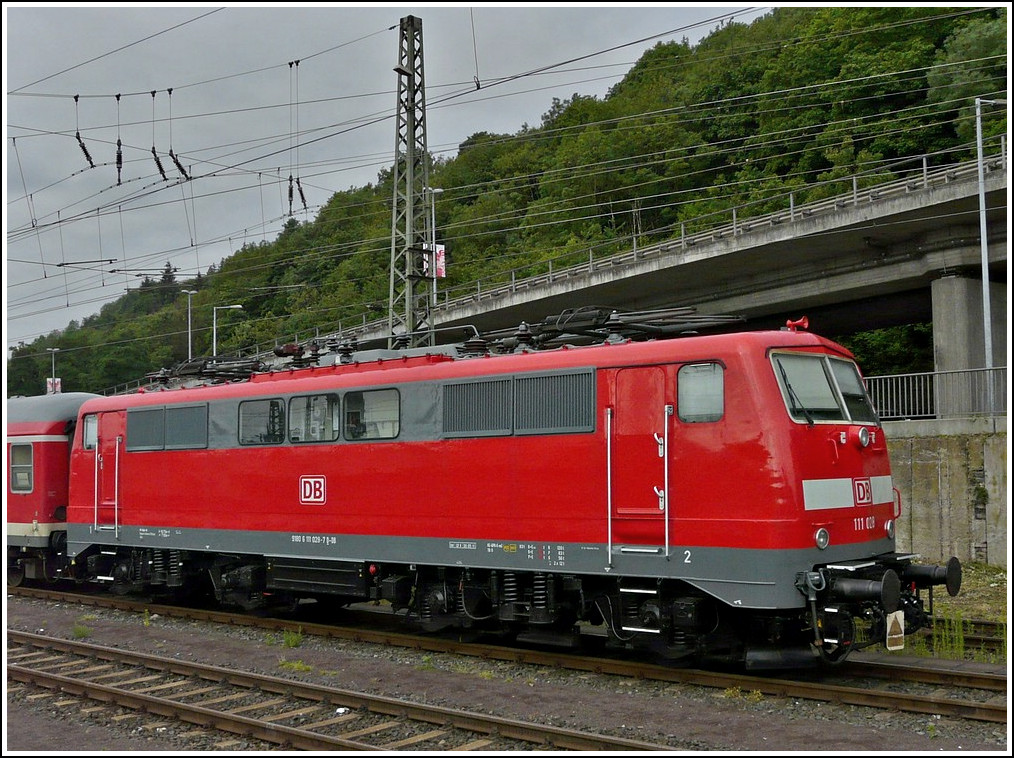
point(261, 422)
point(90, 432)
point(700, 392)
point(314, 418)
point(373, 415)
point(22, 469)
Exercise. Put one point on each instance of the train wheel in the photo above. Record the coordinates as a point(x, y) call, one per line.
point(15, 575)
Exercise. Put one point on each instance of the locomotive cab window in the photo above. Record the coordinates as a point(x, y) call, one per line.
point(314, 418)
point(22, 468)
point(820, 388)
point(853, 391)
point(373, 415)
point(90, 432)
point(700, 392)
point(261, 422)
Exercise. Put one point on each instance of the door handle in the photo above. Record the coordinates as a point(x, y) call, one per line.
point(660, 493)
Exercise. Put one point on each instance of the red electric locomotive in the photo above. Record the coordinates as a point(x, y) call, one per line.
point(39, 431)
point(712, 498)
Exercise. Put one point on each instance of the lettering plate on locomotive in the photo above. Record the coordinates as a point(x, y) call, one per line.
point(544, 554)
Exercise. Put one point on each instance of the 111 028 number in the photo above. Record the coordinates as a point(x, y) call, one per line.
point(864, 523)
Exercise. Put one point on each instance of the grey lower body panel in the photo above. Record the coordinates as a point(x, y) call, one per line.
point(747, 578)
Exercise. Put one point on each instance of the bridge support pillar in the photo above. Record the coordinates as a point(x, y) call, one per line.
point(958, 339)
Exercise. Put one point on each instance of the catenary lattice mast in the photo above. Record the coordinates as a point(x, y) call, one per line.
point(409, 315)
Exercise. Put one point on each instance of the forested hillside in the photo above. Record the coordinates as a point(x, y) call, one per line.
point(789, 102)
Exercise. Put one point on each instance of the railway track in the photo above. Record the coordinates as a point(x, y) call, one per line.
point(275, 710)
point(871, 681)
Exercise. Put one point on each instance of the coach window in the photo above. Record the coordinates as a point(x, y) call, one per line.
point(21, 468)
point(261, 422)
point(700, 392)
point(90, 432)
point(372, 415)
point(314, 418)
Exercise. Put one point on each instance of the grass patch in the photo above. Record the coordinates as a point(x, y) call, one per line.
point(295, 665)
point(288, 639)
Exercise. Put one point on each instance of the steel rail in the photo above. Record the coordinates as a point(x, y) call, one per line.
point(567, 739)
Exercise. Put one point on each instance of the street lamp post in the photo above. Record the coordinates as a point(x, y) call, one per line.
point(53, 351)
point(214, 324)
point(190, 339)
point(987, 316)
point(983, 241)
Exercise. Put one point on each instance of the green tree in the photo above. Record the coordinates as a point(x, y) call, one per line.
point(972, 63)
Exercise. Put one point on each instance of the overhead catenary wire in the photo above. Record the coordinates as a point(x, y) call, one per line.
point(172, 154)
point(77, 133)
point(154, 153)
point(123, 207)
point(502, 229)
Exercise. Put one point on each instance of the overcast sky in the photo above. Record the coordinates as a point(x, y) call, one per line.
point(241, 115)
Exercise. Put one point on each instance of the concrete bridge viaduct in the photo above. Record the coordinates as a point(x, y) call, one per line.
point(902, 252)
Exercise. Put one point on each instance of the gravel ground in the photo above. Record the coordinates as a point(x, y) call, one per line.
point(686, 718)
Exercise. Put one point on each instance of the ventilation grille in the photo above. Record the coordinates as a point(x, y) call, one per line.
point(554, 403)
point(538, 404)
point(477, 409)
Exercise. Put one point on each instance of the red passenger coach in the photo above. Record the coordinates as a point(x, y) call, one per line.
point(723, 497)
point(39, 431)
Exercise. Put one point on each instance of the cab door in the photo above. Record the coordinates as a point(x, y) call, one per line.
point(108, 460)
point(641, 430)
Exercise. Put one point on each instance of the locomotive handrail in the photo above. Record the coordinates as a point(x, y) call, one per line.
point(609, 488)
point(665, 473)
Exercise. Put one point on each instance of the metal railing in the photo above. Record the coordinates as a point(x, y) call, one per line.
point(940, 394)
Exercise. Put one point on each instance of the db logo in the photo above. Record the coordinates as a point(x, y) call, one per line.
point(312, 490)
point(863, 491)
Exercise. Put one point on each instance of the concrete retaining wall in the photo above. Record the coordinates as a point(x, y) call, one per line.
point(952, 475)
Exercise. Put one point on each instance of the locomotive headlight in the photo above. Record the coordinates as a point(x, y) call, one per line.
point(889, 528)
point(861, 437)
point(822, 538)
